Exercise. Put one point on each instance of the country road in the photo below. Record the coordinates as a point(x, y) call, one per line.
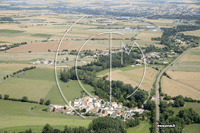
point(157, 86)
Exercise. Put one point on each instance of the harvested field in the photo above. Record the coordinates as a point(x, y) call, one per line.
point(134, 77)
point(189, 78)
point(146, 36)
point(44, 46)
point(192, 33)
point(174, 88)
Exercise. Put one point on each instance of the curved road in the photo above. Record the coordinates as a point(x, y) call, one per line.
point(157, 86)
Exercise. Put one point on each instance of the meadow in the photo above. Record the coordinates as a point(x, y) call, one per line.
point(18, 116)
point(40, 83)
point(195, 106)
point(142, 128)
point(193, 128)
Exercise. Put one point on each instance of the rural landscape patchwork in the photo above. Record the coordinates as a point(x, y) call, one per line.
point(99, 66)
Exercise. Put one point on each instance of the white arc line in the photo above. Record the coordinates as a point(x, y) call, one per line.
point(56, 67)
point(143, 73)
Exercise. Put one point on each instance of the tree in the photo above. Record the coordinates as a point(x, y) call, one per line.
point(24, 99)
point(54, 109)
point(0, 96)
point(47, 129)
point(6, 97)
point(48, 102)
point(41, 101)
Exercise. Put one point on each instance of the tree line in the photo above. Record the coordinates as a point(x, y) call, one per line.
point(25, 99)
point(98, 125)
point(21, 70)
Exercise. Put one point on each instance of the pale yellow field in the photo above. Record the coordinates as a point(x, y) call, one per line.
point(160, 21)
point(174, 88)
point(146, 36)
point(189, 78)
point(134, 77)
point(193, 33)
point(190, 58)
point(44, 46)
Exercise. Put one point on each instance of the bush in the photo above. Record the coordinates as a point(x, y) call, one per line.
point(48, 102)
point(6, 97)
point(41, 101)
point(0, 96)
point(24, 99)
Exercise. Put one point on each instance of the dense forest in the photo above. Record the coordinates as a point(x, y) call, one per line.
point(120, 91)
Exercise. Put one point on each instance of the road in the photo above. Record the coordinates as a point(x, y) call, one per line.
point(157, 86)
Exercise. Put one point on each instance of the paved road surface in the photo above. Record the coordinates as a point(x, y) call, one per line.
point(157, 87)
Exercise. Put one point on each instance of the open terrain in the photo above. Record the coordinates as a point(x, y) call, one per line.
point(142, 128)
point(18, 116)
point(189, 78)
point(40, 83)
point(133, 76)
point(174, 88)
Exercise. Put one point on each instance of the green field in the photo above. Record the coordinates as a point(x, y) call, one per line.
point(18, 116)
point(10, 31)
point(195, 106)
point(40, 83)
point(142, 128)
point(191, 62)
point(187, 66)
point(193, 128)
point(42, 35)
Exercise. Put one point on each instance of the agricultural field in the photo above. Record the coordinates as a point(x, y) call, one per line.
point(15, 114)
point(142, 128)
point(193, 128)
point(43, 85)
point(7, 69)
point(189, 62)
point(132, 76)
point(185, 74)
point(190, 78)
point(192, 33)
point(174, 88)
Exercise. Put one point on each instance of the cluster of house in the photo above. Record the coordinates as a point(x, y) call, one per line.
point(153, 98)
point(97, 107)
point(45, 62)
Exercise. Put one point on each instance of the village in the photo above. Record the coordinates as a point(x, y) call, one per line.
point(89, 106)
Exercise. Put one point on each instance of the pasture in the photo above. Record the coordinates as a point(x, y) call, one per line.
point(193, 128)
point(40, 83)
point(142, 128)
point(133, 76)
point(190, 62)
point(174, 88)
point(18, 116)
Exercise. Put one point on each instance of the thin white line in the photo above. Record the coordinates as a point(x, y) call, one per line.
point(62, 66)
point(143, 73)
point(56, 70)
point(110, 66)
point(76, 67)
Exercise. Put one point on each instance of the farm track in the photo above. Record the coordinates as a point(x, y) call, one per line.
point(157, 86)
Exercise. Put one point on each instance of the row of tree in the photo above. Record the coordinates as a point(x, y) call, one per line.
point(98, 125)
point(25, 99)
